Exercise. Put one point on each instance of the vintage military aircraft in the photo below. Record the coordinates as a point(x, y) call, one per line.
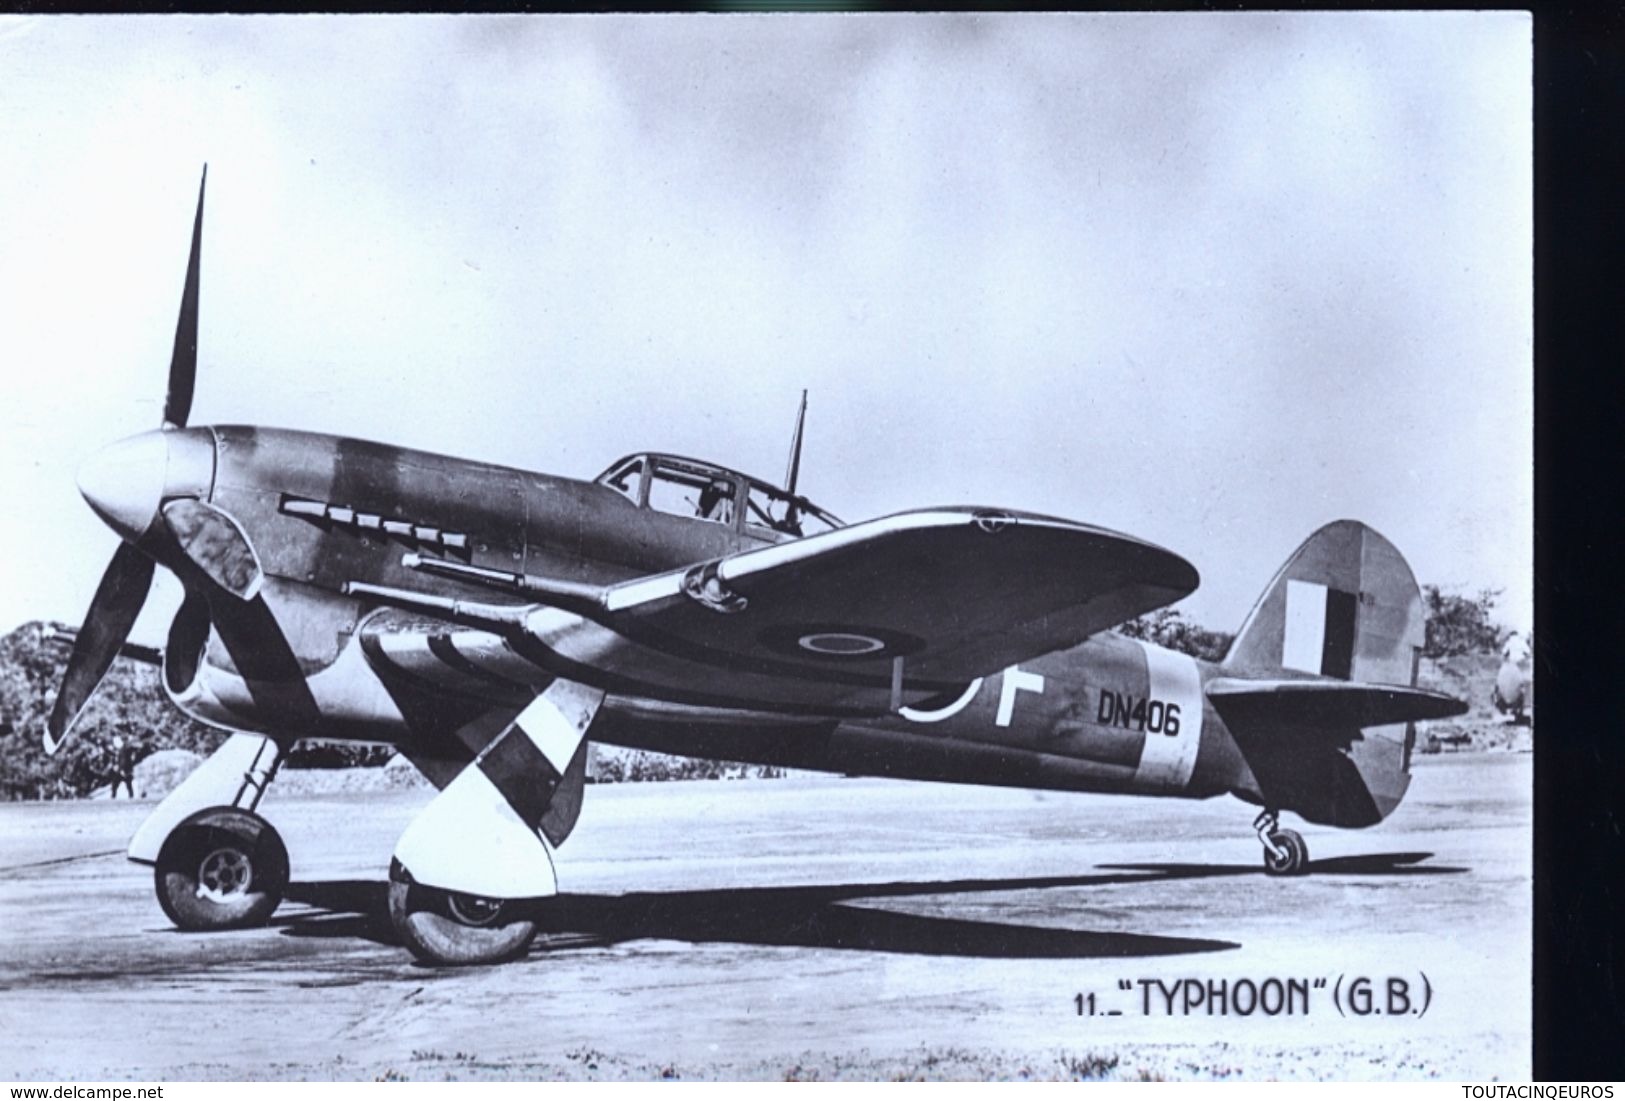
point(1513, 694)
point(490, 622)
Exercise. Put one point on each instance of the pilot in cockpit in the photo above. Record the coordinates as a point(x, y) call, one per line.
point(717, 502)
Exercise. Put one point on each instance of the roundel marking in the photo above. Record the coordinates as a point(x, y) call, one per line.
point(841, 643)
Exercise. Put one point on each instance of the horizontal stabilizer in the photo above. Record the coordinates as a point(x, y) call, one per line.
point(1328, 702)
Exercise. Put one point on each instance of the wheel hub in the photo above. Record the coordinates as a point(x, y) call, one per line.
point(224, 875)
point(473, 910)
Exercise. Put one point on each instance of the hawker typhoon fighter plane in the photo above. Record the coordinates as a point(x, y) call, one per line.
point(491, 622)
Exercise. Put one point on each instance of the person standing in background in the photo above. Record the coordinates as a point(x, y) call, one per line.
point(123, 766)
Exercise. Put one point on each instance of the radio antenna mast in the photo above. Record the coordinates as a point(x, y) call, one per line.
point(794, 470)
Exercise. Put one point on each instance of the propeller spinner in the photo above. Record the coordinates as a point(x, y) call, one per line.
point(126, 484)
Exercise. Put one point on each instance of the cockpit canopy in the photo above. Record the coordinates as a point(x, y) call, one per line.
point(705, 491)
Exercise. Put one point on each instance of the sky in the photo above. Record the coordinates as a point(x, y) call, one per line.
point(1210, 279)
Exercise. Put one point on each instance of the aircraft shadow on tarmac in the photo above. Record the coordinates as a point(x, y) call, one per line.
point(1395, 864)
point(834, 916)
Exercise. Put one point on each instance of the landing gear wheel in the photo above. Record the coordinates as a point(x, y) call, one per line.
point(1290, 856)
point(1284, 850)
point(453, 929)
point(221, 868)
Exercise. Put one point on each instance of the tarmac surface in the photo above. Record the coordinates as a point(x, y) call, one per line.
point(809, 927)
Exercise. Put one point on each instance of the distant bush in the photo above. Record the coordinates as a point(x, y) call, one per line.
point(1171, 630)
point(130, 703)
point(320, 754)
point(1459, 624)
point(611, 765)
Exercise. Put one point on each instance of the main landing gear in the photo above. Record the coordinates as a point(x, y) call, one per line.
point(451, 928)
point(221, 868)
point(227, 868)
point(1284, 850)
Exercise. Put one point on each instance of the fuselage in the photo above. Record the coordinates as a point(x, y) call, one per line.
point(1110, 714)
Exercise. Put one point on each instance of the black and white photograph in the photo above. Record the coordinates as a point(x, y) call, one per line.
point(766, 546)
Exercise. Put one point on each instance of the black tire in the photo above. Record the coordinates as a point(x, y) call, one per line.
point(221, 868)
point(449, 929)
point(1294, 858)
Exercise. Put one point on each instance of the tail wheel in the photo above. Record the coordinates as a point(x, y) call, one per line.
point(221, 868)
point(448, 928)
point(1290, 856)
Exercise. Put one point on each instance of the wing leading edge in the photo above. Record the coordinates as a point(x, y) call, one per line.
point(857, 621)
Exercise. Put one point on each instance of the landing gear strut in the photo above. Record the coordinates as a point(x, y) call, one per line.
point(1284, 850)
point(221, 868)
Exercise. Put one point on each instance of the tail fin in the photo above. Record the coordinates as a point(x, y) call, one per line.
point(1319, 687)
point(1345, 605)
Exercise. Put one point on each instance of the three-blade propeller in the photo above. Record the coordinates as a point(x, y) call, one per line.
point(128, 578)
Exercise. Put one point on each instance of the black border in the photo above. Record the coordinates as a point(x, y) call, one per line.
point(1579, 357)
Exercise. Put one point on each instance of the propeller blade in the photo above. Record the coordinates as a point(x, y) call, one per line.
point(113, 609)
point(188, 634)
point(183, 360)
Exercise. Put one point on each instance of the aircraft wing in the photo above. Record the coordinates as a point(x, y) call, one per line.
point(858, 621)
